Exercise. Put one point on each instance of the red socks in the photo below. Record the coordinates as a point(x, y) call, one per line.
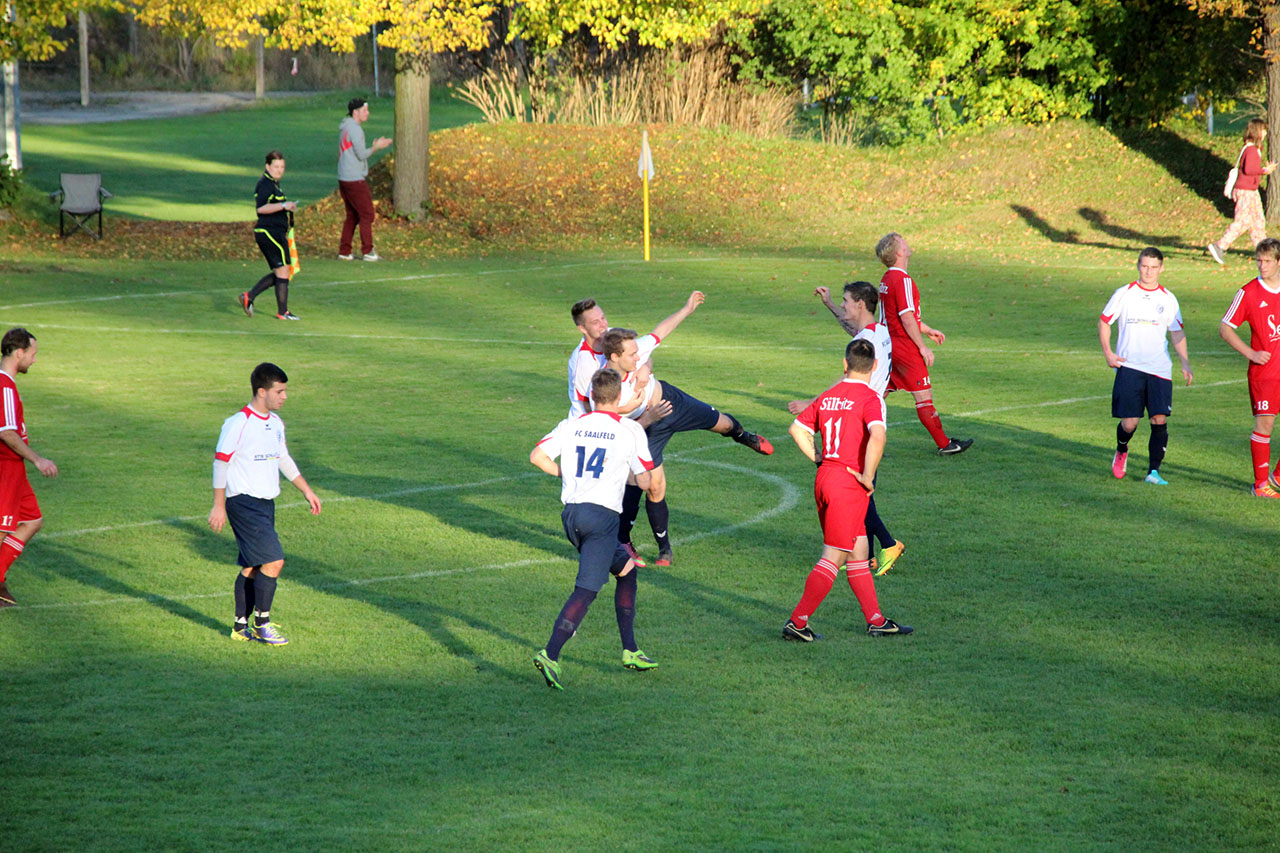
point(928, 416)
point(10, 549)
point(860, 581)
point(1259, 446)
point(816, 588)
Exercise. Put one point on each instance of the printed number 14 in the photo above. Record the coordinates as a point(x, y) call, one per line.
point(595, 464)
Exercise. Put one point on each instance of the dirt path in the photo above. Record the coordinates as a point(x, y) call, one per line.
point(64, 107)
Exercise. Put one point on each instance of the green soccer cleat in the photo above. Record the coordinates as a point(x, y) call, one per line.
point(270, 634)
point(638, 660)
point(887, 557)
point(549, 668)
point(243, 635)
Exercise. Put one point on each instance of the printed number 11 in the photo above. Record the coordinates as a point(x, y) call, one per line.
point(595, 464)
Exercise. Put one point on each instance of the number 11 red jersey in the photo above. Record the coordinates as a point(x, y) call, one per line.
point(844, 414)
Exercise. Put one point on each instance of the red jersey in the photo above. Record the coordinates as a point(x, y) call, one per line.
point(898, 295)
point(1259, 307)
point(11, 416)
point(844, 414)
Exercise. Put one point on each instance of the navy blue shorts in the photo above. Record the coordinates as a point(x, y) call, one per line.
point(687, 414)
point(593, 530)
point(1135, 390)
point(253, 521)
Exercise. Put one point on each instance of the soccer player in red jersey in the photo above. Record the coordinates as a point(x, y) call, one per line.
point(912, 357)
point(1258, 304)
point(851, 418)
point(20, 516)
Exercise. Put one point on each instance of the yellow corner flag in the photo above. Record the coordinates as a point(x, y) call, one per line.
point(295, 265)
point(646, 173)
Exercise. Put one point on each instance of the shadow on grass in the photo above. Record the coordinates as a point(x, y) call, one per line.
point(1099, 222)
point(86, 567)
point(1202, 170)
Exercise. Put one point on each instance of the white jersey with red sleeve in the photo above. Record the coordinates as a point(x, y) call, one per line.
point(844, 415)
point(898, 295)
point(1259, 307)
point(878, 335)
point(253, 447)
point(1144, 316)
point(583, 364)
point(598, 450)
point(645, 345)
point(11, 417)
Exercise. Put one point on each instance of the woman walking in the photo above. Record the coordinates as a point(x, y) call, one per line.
point(275, 218)
point(1249, 216)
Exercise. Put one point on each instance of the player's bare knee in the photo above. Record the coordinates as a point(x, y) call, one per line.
point(272, 570)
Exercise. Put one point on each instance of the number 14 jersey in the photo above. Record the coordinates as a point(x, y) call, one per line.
point(597, 452)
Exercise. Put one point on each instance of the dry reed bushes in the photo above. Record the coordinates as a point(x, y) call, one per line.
point(684, 85)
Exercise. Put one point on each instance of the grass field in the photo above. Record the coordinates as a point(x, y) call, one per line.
point(204, 167)
point(1095, 663)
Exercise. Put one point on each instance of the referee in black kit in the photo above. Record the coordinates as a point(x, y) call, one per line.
point(275, 218)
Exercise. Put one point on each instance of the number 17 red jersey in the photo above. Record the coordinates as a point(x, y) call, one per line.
point(843, 415)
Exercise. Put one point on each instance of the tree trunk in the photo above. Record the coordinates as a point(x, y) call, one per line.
point(84, 58)
point(12, 116)
point(410, 189)
point(1271, 56)
point(259, 70)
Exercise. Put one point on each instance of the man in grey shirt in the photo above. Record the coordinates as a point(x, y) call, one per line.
point(353, 166)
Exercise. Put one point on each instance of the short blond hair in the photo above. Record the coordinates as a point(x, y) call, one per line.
point(1269, 247)
point(888, 247)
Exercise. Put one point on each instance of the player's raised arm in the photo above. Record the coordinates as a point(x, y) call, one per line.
point(668, 325)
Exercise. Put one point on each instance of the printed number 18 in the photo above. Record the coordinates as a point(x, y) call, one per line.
point(595, 464)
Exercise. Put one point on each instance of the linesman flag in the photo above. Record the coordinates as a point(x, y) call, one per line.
point(646, 174)
point(295, 265)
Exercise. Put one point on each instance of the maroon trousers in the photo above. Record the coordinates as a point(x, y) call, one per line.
point(359, 204)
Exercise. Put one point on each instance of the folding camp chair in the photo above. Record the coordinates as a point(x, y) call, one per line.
point(82, 196)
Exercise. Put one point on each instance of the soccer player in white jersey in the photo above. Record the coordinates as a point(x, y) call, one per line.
point(629, 355)
point(250, 457)
point(856, 314)
point(599, 449)
point(1144, 372)
point(586, 357)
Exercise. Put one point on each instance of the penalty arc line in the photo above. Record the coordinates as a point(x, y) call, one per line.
point(790, 498)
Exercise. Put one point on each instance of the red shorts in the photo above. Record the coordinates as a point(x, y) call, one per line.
point(842, 506)
point(1264, 396)
point(908, 372)
point(17, 500)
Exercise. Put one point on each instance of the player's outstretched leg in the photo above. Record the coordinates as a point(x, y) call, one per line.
point(728, 425)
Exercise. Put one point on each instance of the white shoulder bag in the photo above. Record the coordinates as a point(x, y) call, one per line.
point(1233, 175)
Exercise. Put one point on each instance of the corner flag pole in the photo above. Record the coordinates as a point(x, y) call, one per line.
point(646, 172)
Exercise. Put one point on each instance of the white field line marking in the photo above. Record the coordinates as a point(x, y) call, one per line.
point(418, 277)
point(788, 501)
point(292, 332)
point(1066, 402)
